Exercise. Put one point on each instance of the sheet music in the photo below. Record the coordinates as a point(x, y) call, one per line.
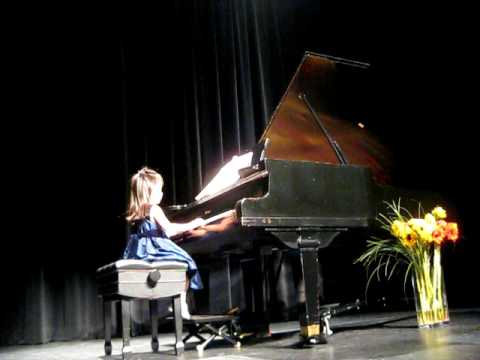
point(227, 176)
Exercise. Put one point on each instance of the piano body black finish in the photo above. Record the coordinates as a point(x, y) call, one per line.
point(320, 175)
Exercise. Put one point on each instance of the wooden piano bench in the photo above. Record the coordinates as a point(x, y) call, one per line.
point(127, 280)
point(223, 326)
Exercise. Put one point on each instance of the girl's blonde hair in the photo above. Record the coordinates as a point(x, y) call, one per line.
point(141, 186)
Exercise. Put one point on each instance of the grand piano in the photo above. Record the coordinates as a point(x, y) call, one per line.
point(315, 173)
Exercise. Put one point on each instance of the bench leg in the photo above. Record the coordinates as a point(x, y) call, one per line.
point(126, 349)
point(177, 317)
point(154, 320)
point(107, 326)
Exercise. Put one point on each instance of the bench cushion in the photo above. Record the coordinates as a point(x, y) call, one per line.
point(138, 279)
point(140, 264)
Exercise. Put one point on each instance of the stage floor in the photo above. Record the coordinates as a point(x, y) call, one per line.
point(359, 336)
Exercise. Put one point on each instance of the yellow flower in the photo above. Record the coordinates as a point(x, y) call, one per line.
point(404, 233)
point(439, 213)
point(430, 219)
point(410, 238)
point(417, 225)
point(422, 228)
point(428, 231)
point(398, 228)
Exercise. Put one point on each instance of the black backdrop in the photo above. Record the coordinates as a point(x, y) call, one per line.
point(96, 93)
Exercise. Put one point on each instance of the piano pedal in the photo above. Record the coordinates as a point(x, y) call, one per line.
point(325, 319)
point(327, 311)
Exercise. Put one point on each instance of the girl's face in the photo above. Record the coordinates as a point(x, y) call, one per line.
point(157, 195)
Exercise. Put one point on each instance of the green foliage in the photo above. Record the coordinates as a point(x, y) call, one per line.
point(383, 257)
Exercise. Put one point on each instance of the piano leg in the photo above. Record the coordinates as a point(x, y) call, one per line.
point(262, 292)
point(311, 329)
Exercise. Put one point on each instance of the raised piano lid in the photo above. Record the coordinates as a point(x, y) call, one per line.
point(337, 90)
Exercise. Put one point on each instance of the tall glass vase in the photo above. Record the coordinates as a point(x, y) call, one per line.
point(429, 291)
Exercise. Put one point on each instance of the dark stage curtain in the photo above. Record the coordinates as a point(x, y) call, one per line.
point(181, 89)
point(98, 93)
point(208, 93)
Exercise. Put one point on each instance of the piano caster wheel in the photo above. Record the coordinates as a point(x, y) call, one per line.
point(126, 354)
point(179, 348)
point(313, 340)
point(155, 345)
point(318, 340)
point(199, 350)
point(108, 348)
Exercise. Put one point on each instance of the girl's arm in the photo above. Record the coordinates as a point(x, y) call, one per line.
point(172, 229)
point(223, 225)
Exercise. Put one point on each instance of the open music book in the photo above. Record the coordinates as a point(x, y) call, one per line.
point(228, 175)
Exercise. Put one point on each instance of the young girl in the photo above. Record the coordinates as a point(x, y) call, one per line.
point(150, 229)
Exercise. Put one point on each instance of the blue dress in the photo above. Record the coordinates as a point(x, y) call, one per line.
point(148, 241)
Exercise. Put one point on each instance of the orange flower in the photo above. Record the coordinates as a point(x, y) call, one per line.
point(438, 236)
point(451, 231)
point(442, 224)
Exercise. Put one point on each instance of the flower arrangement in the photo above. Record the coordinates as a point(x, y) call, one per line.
point(415, 242)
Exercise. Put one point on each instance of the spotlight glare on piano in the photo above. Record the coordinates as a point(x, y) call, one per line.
point(360, 125)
